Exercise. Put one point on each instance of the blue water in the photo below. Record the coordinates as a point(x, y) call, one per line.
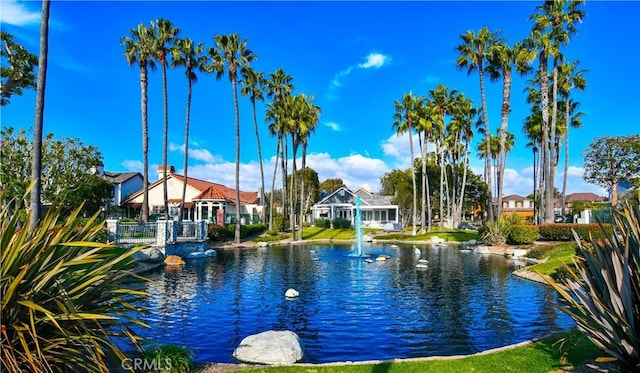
point(348, 309)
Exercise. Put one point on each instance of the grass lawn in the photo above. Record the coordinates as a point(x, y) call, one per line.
point(543, 356)
point(458, 236)
point(317, 233)
point(558, 254)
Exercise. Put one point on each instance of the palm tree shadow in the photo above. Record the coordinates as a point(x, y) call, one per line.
point(569, 350)
point(381, 368)
point(315, 233)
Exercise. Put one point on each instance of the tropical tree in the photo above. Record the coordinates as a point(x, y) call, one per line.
point(18, 73)
point(554, 24)
point(570, 77)
point(253, 85)
point(502, 60)
point(611, 160)
point(279, 85)
point(36, 150)
point(405, 119)
point(139, 49)
point(330, 185)
point(232, 56)
point(429, 116)
point(165, 34)
point(474, 52)
point(311, 117)
point(186, 53)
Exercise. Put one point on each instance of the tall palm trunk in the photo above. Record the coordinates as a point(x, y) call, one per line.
point(553, 161)
point(36, 150)
point(186, 147)
point(502, 160)
point(232, 72)
point(566, 160)
point(303, 204)
point(283, 163)
point(144, 82)
point(413, 178)
point(255, 125)
point(292, 198)
point(442, 183)
point(546, 204)
point(165, 137)
point(487, 162)
point(424, 184)
point(464, 181)
point(273, 184)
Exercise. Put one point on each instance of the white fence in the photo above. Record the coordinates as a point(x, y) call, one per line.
point(161, 232)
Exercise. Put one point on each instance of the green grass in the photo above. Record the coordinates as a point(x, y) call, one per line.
point(449, 236)
point(542, 356)
point(316, 233)
point(278, 237)
point(558, 254)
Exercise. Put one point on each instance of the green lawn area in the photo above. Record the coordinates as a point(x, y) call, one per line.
point(317, 233)
point(543, 356)
point(457, 236)
point(557, 253)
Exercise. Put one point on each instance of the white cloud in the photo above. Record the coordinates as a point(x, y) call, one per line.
point(333, 125)
point(375, 60)
point(135, 165)
point(198, 154)
point(521, 182)
point(17, 14)
point(397, 147)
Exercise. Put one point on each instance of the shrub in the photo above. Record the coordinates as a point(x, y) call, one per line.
point(170, 358)
point(218, 233)
point(603, 294)
point(495, 232)
point(279, 222)
point(323, 223)
point(515, 219)
point(272, 232)
point(563, 232)
point(246, 230)
point(65, 298)
point(340, 223)
point(523, 234)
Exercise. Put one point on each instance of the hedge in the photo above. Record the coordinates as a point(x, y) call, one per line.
point(340, 223)
point(562, 232)
point(323, 223)
point(218, 233)
point(523, 234)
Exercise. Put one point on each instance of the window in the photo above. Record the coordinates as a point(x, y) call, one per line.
point(519, 204)
point(505, 204)
point(392, 214)
point(157, 209)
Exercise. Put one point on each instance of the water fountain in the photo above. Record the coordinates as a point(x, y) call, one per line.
point(358, 226)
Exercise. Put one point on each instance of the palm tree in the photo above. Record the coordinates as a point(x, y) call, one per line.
point(232, 56)
point(279, 86)
point(405, 119)
point(502, 59)
point(191, 56)
point(36, 150)
point(428, 119)
point(165, 33)
point(474, 51)
point(272, 117)
point(460, 134)
point(253, 86)
point(444, 101)
point(138, 48)
point(311, 117)
point(553, 27)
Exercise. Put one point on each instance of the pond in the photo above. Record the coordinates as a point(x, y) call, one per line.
point(348, 309)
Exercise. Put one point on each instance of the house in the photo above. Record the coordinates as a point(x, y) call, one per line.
point(517, 204)
point(124, 185)
point(204, 200)
point(375, 210)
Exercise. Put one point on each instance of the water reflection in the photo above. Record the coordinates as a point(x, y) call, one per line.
point(349, 309)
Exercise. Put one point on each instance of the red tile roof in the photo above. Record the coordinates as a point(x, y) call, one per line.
point(209, 190)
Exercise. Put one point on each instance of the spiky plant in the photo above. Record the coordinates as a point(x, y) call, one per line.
point(602, 295)
point(495, 232)
point(170, 358)
point(65, 297)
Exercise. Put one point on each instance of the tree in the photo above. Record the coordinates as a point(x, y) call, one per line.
point(474, 51)
point(18, 73)
point(188, 54)
point(311, 117)
point(68, 172)
point(165, 34)
point(611, 160)
point(139, 48)
point(232, 56)
point(279, 86)
point(398, 184)
point(330, 185)
point(253, 86)
point(36, 150)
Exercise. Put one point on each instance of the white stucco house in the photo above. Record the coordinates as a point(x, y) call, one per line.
point(204, 200)
point(375, 210)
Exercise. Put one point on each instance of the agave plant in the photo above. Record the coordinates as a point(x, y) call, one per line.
point(603, 294)
point(495, 232)
point(66, 299)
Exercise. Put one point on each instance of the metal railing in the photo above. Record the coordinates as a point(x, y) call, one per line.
point(137, 232)
point(186, 229)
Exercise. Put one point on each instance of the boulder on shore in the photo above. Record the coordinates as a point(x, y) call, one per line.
point(291, 293)
point(270, 347)
point(173, 260)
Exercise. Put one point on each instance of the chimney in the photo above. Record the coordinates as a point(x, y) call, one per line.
point(170, 170)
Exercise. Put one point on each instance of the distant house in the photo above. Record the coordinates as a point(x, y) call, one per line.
point(124, 184)
point(204, 200)
point(517, 204)
point(375, 210)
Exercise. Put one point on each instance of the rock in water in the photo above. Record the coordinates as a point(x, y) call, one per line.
point(173, 260)
point(291, 293)
point(270, 347)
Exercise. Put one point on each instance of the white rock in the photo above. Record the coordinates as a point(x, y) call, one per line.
point(367, 238)
point(394, 246)
point(196, 255)
point(482, 250)
point(210, 253)
point(291, 293)
point(436, 239)
point(369, 260)
point(423, 261)
point(422, 266)
point(519, 252)
point(263, 244)
point(472, 242)
point(270, 347)
point(417, 251)
point(381, 258)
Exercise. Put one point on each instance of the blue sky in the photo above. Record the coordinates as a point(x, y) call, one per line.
point(356, 58)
